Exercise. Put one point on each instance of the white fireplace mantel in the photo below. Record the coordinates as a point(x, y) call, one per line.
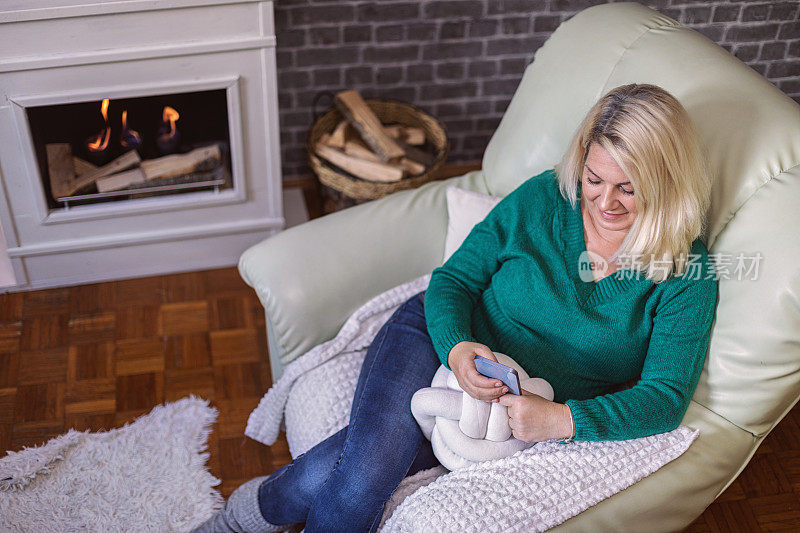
point(65, 51)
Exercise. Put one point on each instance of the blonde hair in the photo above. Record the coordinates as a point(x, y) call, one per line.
point(651, 137)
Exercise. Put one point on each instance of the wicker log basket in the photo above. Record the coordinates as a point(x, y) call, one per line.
point(344, 190)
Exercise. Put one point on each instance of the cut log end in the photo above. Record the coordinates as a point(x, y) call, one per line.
point(358, 113)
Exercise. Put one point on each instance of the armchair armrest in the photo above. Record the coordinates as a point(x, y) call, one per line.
point(311, 277)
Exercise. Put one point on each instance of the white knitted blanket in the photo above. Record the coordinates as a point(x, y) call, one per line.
point(533, 490)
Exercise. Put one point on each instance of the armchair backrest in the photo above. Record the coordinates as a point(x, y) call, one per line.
point(751, 132)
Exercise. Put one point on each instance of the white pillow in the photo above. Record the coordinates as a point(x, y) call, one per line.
point(465, 209)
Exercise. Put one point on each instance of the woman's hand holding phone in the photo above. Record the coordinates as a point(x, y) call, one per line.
point(461, 361)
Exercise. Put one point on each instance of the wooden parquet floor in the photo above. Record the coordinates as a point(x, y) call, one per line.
point(97, 356)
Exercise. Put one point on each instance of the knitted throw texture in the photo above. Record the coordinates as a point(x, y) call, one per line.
point(533, 490)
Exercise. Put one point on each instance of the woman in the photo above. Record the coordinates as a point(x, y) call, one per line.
point(630, 194)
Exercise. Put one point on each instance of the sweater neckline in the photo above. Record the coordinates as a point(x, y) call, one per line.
point(589, 293)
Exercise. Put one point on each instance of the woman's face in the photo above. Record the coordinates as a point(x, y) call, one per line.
point(608, 193)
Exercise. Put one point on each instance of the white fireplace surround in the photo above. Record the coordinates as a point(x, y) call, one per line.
point(65, 51)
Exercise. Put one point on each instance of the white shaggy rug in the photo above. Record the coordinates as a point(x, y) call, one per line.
point(149, 475)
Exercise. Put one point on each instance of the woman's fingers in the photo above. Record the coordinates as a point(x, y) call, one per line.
point(481, 381)
point(485, 388)
point(487, 393)
point(484, 351)
point(476, 377)
point(483, 393)
point(493, 388)
point(462, 362)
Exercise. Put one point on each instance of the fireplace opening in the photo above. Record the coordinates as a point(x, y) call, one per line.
point(125, 148)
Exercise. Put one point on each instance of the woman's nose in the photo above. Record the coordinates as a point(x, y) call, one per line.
point(607, 200)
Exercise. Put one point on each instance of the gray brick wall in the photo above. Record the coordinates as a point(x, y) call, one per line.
point(462, 60)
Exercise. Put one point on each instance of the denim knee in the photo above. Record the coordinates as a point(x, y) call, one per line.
point(352, 501)
point(286, 496)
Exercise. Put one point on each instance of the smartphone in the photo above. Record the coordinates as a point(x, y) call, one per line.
point(495, 370)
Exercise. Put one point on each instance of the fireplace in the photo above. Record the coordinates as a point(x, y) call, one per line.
point(137, 137)
point(129, 148)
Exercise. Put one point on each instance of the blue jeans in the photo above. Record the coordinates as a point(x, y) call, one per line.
point(342, 483)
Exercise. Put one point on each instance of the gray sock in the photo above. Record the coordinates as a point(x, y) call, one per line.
point(241, 513)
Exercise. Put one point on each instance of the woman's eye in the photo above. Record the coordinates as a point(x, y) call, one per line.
point(597, 182)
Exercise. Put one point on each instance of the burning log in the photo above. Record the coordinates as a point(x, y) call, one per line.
point(198, 160)
point(123, 162)
point(121, 180)
point(82, 166)
point(218, 173)
point(119, 174)
point(61, 168)
point(98, 168)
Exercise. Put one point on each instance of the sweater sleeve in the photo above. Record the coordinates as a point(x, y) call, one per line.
point(673, 363)
point(456, 287)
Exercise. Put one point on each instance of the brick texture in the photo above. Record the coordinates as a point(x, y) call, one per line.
point(462, 60)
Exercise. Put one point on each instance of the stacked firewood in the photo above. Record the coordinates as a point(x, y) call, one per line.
point(70, 175)
point(370, 150)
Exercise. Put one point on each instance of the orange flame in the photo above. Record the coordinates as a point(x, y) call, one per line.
point(171, 116)
point(100, 142)
point(133, 133)
point(104, 109)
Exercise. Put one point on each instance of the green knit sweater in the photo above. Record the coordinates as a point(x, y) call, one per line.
point(515, 286)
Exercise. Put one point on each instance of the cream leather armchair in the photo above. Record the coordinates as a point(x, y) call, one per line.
point(312, 277)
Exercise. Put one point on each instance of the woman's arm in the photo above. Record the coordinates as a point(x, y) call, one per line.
point(671, 370)
point(456, 287)
point(454, 290)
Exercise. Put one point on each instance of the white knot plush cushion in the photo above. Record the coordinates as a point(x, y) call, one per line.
point(464, 430)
